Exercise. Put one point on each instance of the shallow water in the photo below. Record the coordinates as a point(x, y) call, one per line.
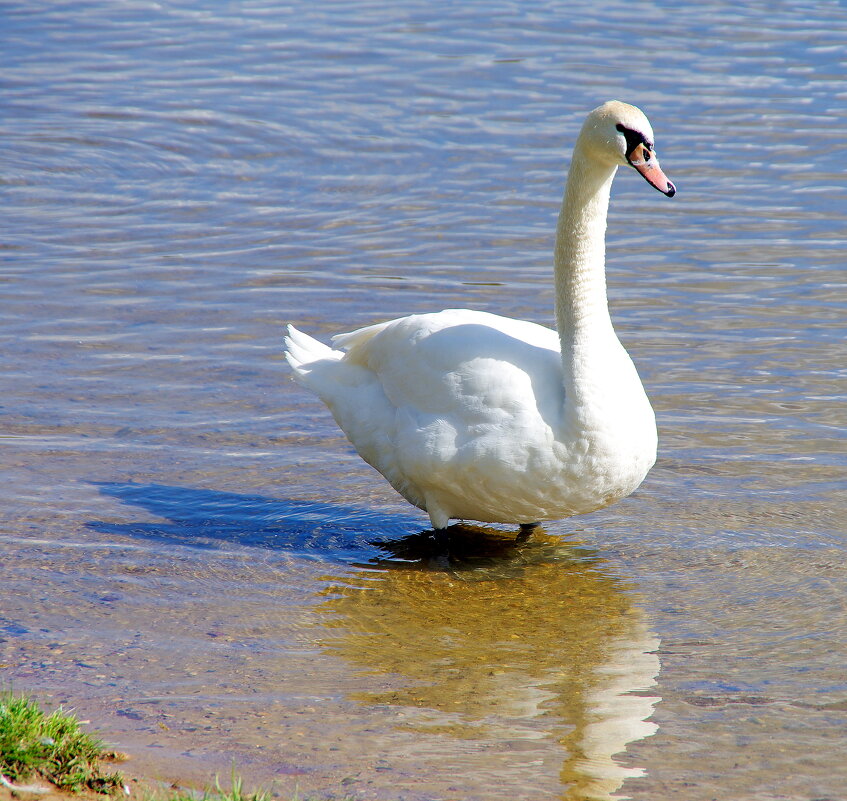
point(193, 556)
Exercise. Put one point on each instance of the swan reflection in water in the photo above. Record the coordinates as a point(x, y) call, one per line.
point(528, 641)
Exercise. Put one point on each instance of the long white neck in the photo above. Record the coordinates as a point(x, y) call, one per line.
point(582, 312)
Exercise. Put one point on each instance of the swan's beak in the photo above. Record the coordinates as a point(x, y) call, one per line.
point(645, 161)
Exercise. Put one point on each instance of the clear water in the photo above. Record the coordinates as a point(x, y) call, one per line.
point(192, 555)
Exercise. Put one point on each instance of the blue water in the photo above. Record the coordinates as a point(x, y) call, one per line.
point(193, 556)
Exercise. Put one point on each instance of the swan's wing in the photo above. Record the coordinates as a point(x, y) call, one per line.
point(466, 387)
point(359, 337)
point(470, 367)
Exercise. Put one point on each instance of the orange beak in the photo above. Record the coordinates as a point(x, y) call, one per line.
point(645, 161)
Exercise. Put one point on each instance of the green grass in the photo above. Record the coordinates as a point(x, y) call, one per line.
point(51, 746)
point(219, 794)
point(54, 747)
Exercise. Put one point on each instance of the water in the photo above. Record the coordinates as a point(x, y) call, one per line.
point(193, 556)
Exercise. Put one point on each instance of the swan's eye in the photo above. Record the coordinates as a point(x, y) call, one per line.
point(646, 153)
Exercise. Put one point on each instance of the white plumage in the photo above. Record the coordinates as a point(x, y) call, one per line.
point(474, 416)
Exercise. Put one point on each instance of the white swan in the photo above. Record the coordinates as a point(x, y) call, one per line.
point(474, 416)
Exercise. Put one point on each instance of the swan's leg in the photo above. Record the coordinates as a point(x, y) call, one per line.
point(442, 540)
point(437, 516)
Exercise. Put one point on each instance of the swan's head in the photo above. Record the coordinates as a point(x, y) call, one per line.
point(619, 134)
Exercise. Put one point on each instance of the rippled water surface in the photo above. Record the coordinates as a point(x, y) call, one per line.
point(192, 555)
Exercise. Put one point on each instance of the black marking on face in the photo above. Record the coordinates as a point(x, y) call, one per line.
point(633, 139)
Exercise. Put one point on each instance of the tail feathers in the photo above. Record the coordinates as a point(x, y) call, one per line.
point(302, 351)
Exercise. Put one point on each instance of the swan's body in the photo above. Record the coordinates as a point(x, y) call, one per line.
point(474, 416)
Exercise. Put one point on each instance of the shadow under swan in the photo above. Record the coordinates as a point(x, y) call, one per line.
point(504, 641)
point(203, 518)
